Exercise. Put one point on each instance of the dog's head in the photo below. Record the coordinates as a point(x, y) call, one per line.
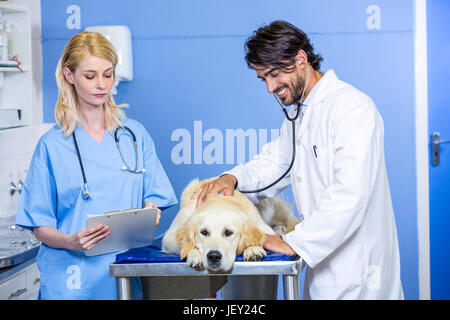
point(220, 231)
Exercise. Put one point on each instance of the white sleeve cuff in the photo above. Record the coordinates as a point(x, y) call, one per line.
point(289, 239)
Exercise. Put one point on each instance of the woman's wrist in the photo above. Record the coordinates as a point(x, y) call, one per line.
point(51, 237)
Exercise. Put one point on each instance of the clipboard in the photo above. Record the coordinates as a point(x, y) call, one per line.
point(132, 228)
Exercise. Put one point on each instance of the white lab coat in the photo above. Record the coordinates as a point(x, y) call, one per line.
point(348, 236)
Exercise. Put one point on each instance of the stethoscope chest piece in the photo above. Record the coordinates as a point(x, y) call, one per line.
point(85, 192)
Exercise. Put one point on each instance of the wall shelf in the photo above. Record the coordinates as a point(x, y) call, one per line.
point(12, 8)
point(6, 69)
point(16, 86)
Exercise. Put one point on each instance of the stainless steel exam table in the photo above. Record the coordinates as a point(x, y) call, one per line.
point(147, 263)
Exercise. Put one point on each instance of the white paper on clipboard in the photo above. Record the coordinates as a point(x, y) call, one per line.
point(133, 228)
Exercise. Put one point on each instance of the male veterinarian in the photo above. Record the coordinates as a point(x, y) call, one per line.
point(348, 235)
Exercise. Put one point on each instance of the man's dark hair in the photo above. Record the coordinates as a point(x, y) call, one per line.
point(277, 45)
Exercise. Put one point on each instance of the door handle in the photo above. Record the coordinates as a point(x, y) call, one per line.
point(12, 188)
point(17, 293)
point(435, 142)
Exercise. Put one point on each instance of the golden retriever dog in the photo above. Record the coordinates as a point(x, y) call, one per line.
point(222, 227)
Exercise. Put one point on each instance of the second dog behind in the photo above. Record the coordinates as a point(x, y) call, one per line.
point(277, 213)
point(222, 227)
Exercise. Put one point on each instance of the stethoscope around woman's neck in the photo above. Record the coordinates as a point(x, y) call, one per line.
point(86, 194)
point(292, 120)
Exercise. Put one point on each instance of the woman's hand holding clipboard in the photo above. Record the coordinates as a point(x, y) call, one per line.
point(132, 228)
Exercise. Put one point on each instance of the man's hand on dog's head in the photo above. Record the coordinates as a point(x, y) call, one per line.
point(224, 184)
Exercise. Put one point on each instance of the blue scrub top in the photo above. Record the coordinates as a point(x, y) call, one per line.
point(52, 196)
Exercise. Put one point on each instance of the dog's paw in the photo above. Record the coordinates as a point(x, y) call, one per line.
point(280, 229)
point(194, 258)
point(254, 253)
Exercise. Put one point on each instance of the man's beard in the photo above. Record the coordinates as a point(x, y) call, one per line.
point(296, 90)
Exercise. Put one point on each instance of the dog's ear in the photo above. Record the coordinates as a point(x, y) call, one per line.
point(185, 239)
point(250, 236)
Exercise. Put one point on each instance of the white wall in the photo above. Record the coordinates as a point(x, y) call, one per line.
point(15, 159)
point(422, 156)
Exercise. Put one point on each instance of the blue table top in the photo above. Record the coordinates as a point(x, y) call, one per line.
point(153, 254)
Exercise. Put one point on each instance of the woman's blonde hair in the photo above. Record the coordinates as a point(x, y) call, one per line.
point(66, 109)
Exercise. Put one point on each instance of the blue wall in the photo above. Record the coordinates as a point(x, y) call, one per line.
point(189, 70)
point(438, 24)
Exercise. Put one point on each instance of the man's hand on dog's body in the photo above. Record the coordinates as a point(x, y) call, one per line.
point(224, 184)
point(278, 245)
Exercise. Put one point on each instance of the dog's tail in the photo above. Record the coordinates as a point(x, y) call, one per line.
point(283, 208)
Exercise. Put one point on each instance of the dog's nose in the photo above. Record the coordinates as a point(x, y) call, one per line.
point(214, 256)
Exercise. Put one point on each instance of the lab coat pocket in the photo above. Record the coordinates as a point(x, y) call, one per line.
point(319, 158)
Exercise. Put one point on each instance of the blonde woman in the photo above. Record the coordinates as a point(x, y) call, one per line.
point(77, 169)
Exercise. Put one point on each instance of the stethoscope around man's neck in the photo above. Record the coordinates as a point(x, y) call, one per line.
point(86, 194)
point(292, 120)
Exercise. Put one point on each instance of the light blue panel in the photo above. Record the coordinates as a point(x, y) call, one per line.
point(174, 18)
point(51, 52)
point(189, 68)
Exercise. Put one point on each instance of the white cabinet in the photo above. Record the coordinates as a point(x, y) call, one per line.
point(16, 85)
point(33, 278)
point(23, 285)
point(13, 287)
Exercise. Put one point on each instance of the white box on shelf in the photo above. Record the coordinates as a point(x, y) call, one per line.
point(11, 118)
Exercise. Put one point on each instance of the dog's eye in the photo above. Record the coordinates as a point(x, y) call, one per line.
point(228, 232)
point(204, 232)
